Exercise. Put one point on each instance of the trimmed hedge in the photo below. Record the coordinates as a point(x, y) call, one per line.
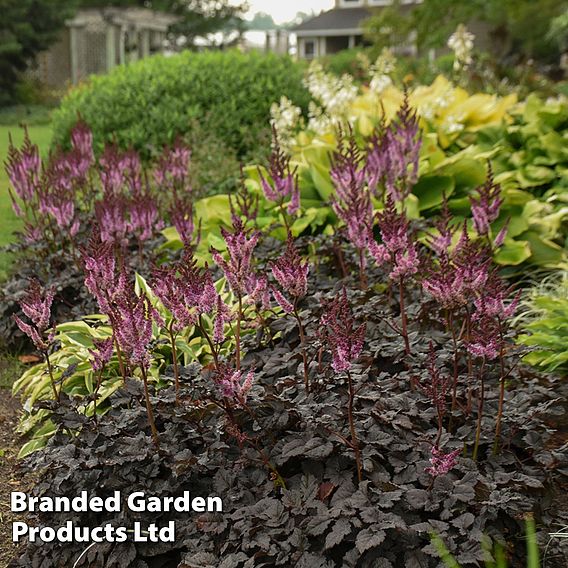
point(147, 104)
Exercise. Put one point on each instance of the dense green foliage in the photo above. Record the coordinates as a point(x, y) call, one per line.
point(148, 104)
point(26, 28)
point(519, 28)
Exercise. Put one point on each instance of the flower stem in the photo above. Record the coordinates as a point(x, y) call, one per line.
point(403, 318)
point(174, 357)
point(52, 380)
point(303, 343)
point(362, 274)
point(481, 400)
point(450, 324)
point(149, 410)
point(501, 394)
point(238, 335)
point(354, 440)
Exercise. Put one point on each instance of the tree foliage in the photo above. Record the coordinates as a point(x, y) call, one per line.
point(515, 26)
point(26, 28)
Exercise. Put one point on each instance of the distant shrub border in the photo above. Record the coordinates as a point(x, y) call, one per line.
point(147, 104)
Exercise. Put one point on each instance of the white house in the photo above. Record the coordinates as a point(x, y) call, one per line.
point(340, 28)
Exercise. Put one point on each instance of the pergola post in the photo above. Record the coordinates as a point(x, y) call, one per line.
point(110, 47)
point(74, 53)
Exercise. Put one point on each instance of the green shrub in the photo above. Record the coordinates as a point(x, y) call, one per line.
point(147, 104)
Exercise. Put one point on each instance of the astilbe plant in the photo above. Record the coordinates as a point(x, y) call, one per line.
point(398, 251)
point(36, 305)
point(291, 273)
point(284, 184)
point(188, 293)
point(394, 153)
point(172, 168)
point(352, 199)
point(239, 271)
point(131, 318)
point(344, 339)
point(485, 206)
point(436, 388)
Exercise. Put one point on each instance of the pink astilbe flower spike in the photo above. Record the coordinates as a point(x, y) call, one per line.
point(131, 318)
point(284, 179)
point(145, 219)
point(102, 278)
point(111, 214)
point(111, 170)
point(442, 463)
point(485, 337)
point(181, 216)
point(397, 247)
point(36, 305)
point(238, 268)
point(340, 332)
point(485, 208)
point(185, 290)
point(352, 200)
point(172, 168)
point(222, 316)
point(23, 168)
point(437, 386)
point(290, 272)
point(82, 140)
point(493, 301)
point(394, 154)
point(231, 384)
point(101, 353)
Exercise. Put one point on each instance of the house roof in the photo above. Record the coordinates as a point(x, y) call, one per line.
point(142, 18)
point(337, 20)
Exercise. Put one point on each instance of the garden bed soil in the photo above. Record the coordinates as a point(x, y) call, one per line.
point(13, 479)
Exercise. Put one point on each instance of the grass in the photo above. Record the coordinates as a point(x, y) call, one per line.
point(40, 134)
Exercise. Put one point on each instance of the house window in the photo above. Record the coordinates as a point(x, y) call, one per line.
point(309, 49)
point(350, 3)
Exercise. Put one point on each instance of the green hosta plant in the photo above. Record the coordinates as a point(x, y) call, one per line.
point(545, 321)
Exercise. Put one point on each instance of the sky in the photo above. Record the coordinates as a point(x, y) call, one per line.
point(285, 10)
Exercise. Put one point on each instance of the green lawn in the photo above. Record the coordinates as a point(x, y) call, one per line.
point(40, 135)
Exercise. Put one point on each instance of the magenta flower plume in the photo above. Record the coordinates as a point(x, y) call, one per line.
point(290, 272)
point(340, 332)
point(493, 301)
point(111, 215)
point(438, 385)
point(131, 318)
point(101, 353)
point(36, 305)
point(284, 179)
point(352, 200)
point(185, 290)
point(131, 166)
point(101, 277)
point(231, 385)
point(394, 154)
point(23, 168)
point(144, 216)
point(238, 268)
point(222, 316)
point(181, 216)
point(442, 463)
point(82, 140)
point(397, 247)
point(172, 168)
point(111, 170)
point(485, 338)
point(485, 208)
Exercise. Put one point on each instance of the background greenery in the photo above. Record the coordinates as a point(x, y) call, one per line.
point(149, 103)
